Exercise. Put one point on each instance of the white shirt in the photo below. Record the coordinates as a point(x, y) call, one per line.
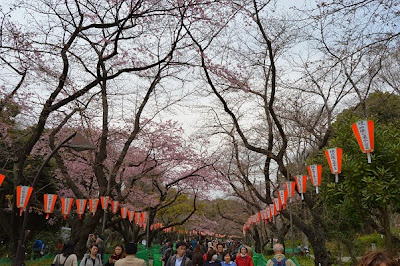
point(178, 261)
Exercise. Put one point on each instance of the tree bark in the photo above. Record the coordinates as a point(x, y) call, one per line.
point(386, 226)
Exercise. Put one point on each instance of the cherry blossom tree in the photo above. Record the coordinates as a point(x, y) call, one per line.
point(66, 56)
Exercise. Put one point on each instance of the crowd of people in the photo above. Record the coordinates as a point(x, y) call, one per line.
point(194, 253)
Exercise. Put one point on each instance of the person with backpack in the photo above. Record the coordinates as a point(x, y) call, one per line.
point(179, 259)
point(67, 256)
point(93, 258)
point(279, 259)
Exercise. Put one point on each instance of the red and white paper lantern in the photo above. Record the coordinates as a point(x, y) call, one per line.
point(315, 172)
point(66, 205)
point(131, 215)
point(290, 187)
point(283, 195)
point(334, 157)
point(364, 132)
point(23, 195)
point(124, 212)
point(272, 210)
point(301, 182)
point(2, 177)
point(80, 207)
point(268, 212)
point(93, 203)
point(49, 202)
point(114, 206)
point(277, 205)
point(104, 202)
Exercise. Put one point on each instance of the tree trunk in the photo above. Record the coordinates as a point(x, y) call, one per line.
point(386, 226)
point(257, 240)
point(80, 230)
point(317, 240)
point(349, 243)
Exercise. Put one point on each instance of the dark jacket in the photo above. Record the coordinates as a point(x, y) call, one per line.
point(167, 254)
point(197, 259)
point(209, 263)
point(185, 261)
point(112, 264)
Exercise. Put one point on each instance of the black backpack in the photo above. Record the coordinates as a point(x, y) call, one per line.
point(279, 263)
point(58, 261)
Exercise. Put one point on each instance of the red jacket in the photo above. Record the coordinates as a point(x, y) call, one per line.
point(244, 261)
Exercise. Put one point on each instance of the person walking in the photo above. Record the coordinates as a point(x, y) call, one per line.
point(93, 258)
point(179, 259)
point(130, 258)
point(279, 259)
point(168, 252)
point(243, 258)
point(66, 256)
point(99, 241)
point(189, 251)
point(220, 251)
point(212, 259)
point(197, 259)
point(164, 247)
point(227, 259)
point(118, 254)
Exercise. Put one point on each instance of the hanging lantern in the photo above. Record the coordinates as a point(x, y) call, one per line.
point(268, 213)
point(301, 182)
point(114, 206)
point(80, 207)
point(283, 195)
point(124, 212)
point(131, 215)
point(66, 204)
point(49, 202)
point(137, 217)
point(93, 203)
point(2, 177)
point(334, 157)
point(315, 172)
point(272, 210)
point(364, 131)
point(104, 202)
point(23, 195)
point(290, 187)
point(277, 205)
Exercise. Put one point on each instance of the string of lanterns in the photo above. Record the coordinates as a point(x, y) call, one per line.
point(364, 133)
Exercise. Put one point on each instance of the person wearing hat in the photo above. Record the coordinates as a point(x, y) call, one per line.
point(130, 258)
point(243, 259)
